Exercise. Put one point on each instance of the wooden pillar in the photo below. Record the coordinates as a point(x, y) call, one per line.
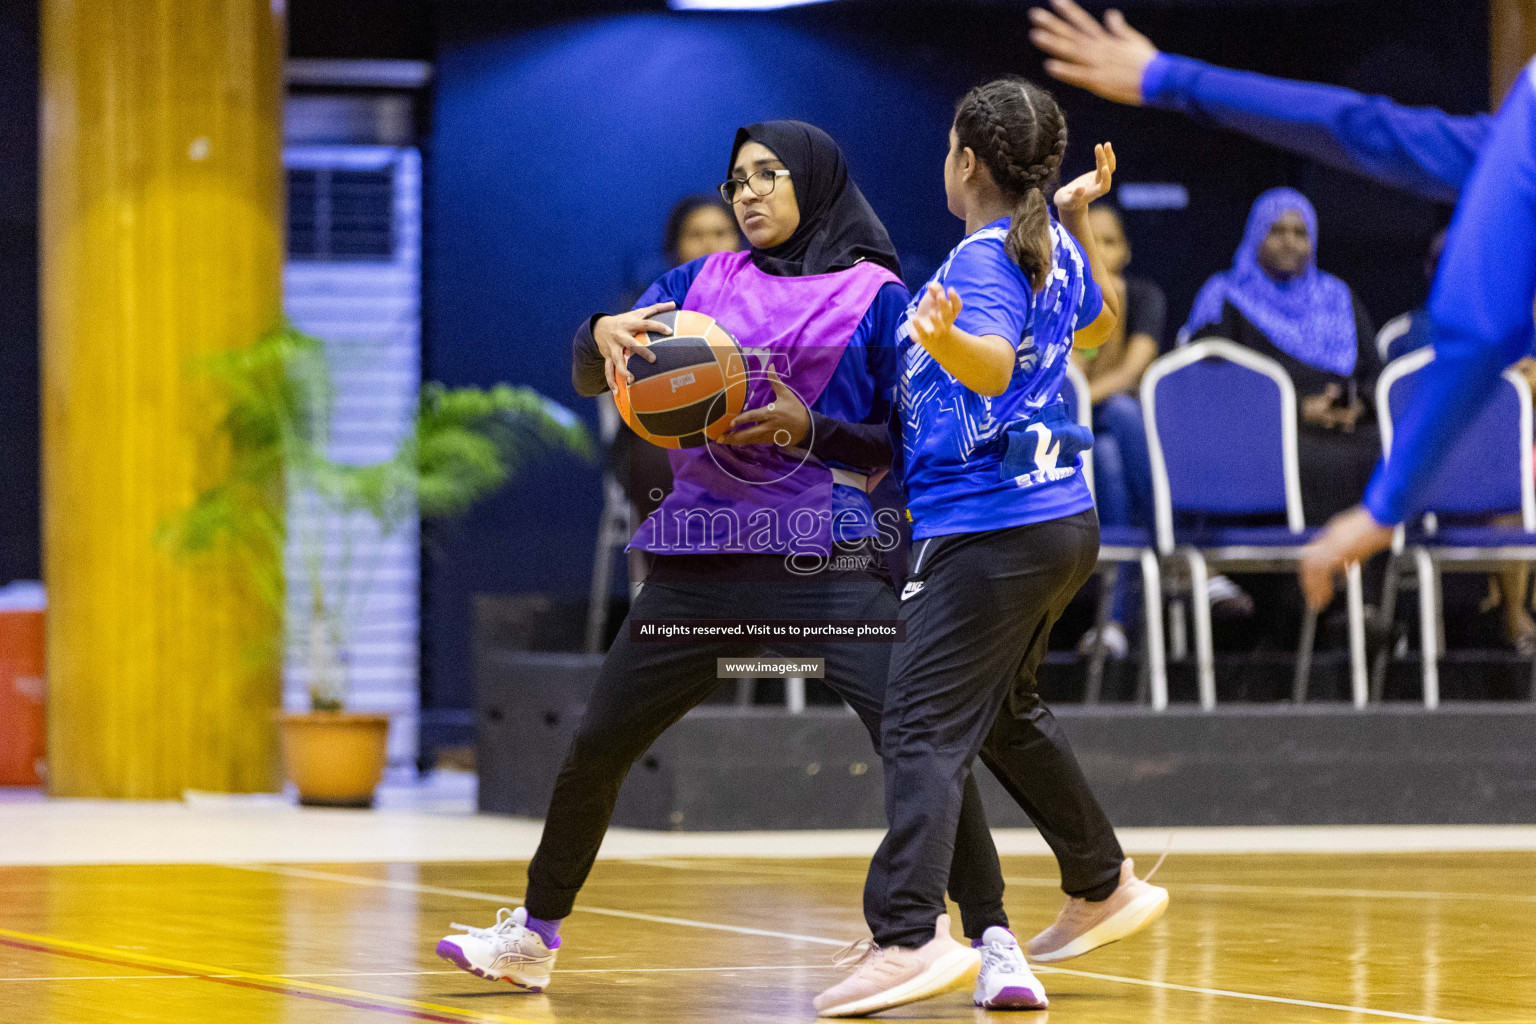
point(162, 241)
point(1511, 42)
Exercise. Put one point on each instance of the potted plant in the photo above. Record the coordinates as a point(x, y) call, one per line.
point(464, 443)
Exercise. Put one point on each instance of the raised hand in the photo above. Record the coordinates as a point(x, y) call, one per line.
point(1319, 408)
point(935, 315)
point(1074, 197)
point(1108, 60)
point(618, 337)
point(784, 421)
point(1349, 537)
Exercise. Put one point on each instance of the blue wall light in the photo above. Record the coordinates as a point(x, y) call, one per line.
point(738, 5)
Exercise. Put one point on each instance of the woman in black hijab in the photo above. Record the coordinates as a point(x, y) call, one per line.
point(815, 303)
point(837, 228)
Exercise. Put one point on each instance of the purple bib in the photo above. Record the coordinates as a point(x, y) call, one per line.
point(762, 498)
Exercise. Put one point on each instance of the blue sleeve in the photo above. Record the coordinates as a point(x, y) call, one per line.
point(1093, 296)
point(863, 384)
point(672, 286)
point(1480, 307)
point(1421, 149)
point(879, 335)
point(994, 293)
point(850, 416)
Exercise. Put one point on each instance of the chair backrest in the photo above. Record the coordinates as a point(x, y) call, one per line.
point(1075, 393)
point(1221, 431)
point(1488, 469)
point(1390, 332)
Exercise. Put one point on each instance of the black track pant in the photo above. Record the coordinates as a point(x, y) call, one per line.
point(644, 687)
point(980, 611)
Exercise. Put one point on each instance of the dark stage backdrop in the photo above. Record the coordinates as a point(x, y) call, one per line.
point(559, 141)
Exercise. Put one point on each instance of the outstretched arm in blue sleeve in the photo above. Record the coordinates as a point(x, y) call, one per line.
point(1480, 322)
point(1422, 150)
point(1480, 308)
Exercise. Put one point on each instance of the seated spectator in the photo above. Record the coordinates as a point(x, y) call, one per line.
point(1114, 376)
point(1122, 469)
point(1275, 301)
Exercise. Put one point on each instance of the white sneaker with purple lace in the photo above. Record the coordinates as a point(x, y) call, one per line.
point(507, 951)
point(1005, 981)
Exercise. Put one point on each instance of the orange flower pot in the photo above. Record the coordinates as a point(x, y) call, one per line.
point(335, 758)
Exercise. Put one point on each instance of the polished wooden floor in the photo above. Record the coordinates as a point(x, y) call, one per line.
point(1248, 938)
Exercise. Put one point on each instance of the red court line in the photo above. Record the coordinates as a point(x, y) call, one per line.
point(279, 990)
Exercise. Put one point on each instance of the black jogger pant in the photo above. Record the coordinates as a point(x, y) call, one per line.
point(979, 611)
point(644, 687)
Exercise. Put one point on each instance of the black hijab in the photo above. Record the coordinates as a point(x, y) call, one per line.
point(837, 227)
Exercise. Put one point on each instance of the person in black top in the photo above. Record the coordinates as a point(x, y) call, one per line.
point(1275, 301)
point(1122, 469)
point(1115, 368)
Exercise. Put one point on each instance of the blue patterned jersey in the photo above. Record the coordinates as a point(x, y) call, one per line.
point(962, 451)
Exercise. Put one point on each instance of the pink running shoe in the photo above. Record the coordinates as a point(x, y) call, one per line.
point(894, 975)
point(1083, 927)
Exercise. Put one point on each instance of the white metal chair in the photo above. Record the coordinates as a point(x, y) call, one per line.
point(1222, 433)
point(1488, 471)
point(1390, 332)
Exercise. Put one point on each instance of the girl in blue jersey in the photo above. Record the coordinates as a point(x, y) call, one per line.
point(1004, 534)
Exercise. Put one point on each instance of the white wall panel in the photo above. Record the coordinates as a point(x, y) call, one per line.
point(369, 314)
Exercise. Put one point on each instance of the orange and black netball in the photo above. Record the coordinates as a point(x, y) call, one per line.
point(697, 384)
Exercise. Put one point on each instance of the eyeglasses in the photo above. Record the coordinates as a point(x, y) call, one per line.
point(761, 183)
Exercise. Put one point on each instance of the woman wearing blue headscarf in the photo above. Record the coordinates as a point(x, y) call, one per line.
point(1274, 300)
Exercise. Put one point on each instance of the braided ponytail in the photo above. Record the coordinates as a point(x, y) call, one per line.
point(1029, 238)
point(1019, 134)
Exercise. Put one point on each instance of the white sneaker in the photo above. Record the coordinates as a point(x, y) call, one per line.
point(1228, 600)
point(1005, 981)
point(1116, 645)
point(506, 951)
